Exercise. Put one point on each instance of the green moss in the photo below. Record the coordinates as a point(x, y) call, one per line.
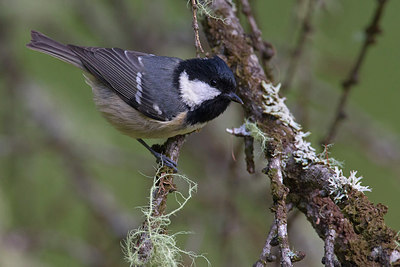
point(257, 134)
point(204, 9)
point(368, 221)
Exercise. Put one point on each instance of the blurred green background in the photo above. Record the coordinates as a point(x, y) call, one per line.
point(69, 182)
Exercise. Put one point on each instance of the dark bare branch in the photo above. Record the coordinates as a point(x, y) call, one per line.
point(279, 195)
point(266, 255)
point(249, 154)
point(305, 31)
point(171, 148)
point(248, 145)
point(371, 32)
point(329, 258)
point(197, 43)
point(266, 49)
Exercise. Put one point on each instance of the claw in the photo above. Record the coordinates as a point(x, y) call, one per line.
point(160, 157)
point(166, 161)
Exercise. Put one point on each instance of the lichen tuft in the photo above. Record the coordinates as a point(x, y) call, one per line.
point(305, 154)
point(164, 250)
point(257, 134)
point(340, 185)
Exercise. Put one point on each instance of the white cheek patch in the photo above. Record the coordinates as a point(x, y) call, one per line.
point(195, 92)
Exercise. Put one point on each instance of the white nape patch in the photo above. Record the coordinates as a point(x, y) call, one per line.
point(195, 92)
point(139, 81)
point(138, 94)
point(157, 108)
point(140, 61)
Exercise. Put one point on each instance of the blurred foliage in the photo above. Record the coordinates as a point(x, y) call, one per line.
point(46, 111)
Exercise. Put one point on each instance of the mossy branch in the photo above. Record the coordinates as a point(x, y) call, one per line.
point(358, 241)
point(150, 244)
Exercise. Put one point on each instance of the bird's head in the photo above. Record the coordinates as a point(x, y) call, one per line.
point(207, 86)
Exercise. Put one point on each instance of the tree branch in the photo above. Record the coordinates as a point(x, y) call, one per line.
point(248, 145)
point(267, 51)
point(197, 43)
point(266, 255)
point(171, 148)
point(352, 79)
point(305, 31)
point(355, 217)
point(329, 258)
point(279, 195)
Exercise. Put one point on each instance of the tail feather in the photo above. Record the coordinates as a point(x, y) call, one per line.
point(44, 44)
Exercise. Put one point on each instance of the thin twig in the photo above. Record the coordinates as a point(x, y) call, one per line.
point(281, 220)
point(271, 241)
point(279, 193)
point(266, 255)
point(267, 51)
point(249, 154)
point(171, 149)
point(352, 79)
point(305, 31)
point(239, 132)
point(248, 145)
point(197, 43)
point(329, 258)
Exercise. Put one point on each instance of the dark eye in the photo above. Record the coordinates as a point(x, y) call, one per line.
point(213, 82)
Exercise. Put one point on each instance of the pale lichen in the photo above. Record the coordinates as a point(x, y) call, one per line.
point(257, 134)
point(275, 105)
point(164, 250)
point(204, 8)
point(304, 153)
point(340, 185)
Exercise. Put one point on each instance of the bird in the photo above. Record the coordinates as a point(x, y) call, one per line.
point(146, 96)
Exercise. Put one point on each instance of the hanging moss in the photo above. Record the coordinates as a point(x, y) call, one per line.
point(163, 247)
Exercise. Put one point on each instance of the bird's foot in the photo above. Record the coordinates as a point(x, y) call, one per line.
point(164, 160)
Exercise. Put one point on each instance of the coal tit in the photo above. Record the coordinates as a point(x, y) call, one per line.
point(148, 96)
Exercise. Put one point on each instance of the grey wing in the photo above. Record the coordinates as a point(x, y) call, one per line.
point(131, 75)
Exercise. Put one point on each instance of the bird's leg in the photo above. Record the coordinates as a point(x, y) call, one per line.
point(160, 157)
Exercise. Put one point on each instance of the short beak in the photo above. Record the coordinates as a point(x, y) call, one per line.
point(233, 97)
